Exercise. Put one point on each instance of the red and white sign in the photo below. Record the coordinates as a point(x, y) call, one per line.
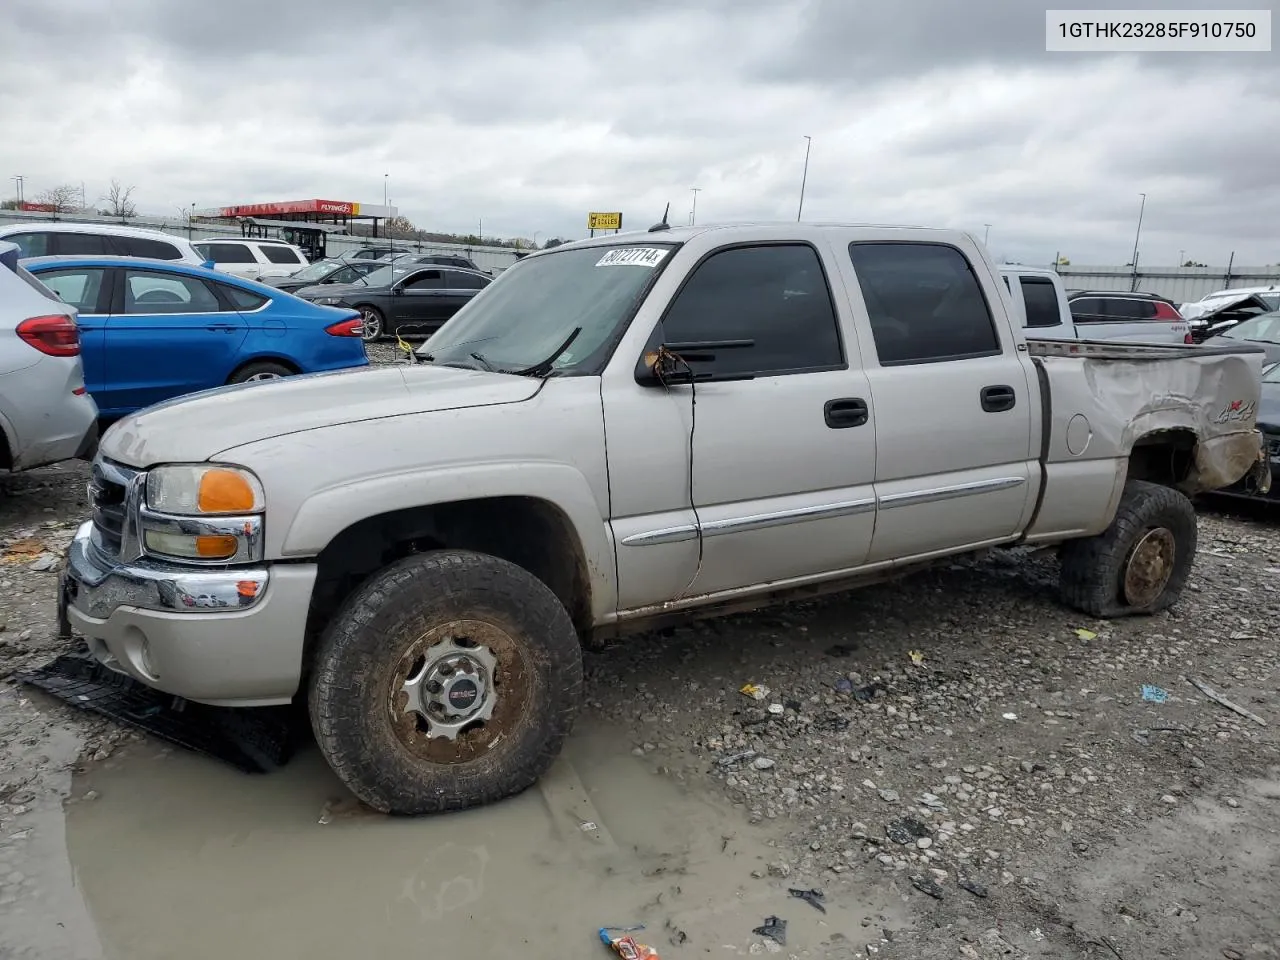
point(38, 207)
point(332, 208)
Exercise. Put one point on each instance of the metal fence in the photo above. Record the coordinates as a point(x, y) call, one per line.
point(1179, 284)
point(490, 259)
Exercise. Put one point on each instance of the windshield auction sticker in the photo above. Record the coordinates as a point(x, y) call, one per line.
point(632, 257)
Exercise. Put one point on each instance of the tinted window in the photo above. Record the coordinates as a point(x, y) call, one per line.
point(1123, 308)
point(462, 281)
point(241, 299)
point(774, 295)
point(425, 281)
point(1041, 301)
point(1086, 308)
point(30, 244)
point(924, 302)
point(278, 254)
point(81, 244)
point(79, 287)
point(227, 252)
point(146, 292)
point(142, 247)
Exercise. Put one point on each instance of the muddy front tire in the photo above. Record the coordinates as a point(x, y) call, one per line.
point(447, 680)
point(1140, 563)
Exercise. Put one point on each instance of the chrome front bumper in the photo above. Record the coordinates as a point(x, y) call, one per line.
point(222, 636)
point(97, 588)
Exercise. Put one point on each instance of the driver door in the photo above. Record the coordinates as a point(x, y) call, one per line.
point(418, 302)
point(168, 334)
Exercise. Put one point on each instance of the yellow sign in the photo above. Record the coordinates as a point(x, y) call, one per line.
point(604, 221)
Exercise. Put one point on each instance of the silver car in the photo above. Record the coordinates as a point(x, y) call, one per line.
point(46, 415)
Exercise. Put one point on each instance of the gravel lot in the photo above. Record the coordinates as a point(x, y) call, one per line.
point(957, 738)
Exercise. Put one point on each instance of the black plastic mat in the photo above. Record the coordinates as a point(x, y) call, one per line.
point(256, 740)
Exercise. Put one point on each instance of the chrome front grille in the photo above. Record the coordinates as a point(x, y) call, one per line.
point(108, 498)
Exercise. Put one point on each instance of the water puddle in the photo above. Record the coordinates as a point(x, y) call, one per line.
point(179, 856)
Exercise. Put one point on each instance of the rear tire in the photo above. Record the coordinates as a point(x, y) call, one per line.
point(502, 655)
point(1140, 563)
point(262, 370)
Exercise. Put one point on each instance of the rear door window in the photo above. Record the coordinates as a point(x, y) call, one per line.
point(147, 292)
point(279, 254)
point(1041, 300)
point(227, 252)
point(145, 247)
point(924, 302)
point(81, 244)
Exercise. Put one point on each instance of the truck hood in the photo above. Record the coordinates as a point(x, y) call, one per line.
point(201, 425)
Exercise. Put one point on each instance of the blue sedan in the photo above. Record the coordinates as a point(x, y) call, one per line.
point(152, 330)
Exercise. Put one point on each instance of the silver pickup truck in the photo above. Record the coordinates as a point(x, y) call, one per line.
point(616, 434)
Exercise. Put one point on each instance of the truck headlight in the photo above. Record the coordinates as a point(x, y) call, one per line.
point(209, 513)
point(204, 490)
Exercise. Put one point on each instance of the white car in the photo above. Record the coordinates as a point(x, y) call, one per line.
point(252, 259)
point(49, 239)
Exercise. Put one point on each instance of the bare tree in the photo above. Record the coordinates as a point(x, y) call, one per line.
point(9, 204)
point(62, 199)
point(401, 228)
point(119, 201)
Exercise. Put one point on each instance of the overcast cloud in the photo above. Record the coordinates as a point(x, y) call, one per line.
point(529, 113)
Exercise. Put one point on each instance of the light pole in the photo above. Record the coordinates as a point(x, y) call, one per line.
point(18, 180)
point(1142, 209)
point(693, 211)
point(986, 233)
point(805, 176)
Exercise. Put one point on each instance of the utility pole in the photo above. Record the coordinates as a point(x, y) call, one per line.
point(693, 212)
point(18, 180)
point(805, 176)
point(1142, 209)
point(986, 233)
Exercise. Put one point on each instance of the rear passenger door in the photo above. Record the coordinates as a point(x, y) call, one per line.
point(169, 334)
point(783, 460)
point(953, 400)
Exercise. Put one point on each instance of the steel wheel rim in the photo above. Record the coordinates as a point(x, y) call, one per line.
point(370, 325)
point(1150, 567)
point(503, 679)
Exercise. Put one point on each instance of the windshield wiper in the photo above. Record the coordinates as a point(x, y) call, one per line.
point(479, 357)
point(543, 367)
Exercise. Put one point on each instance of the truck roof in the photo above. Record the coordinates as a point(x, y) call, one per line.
point(755, 230)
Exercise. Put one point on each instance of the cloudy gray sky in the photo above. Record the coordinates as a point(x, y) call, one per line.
point(529, 113)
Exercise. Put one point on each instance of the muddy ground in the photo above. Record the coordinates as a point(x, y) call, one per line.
point(963, 768)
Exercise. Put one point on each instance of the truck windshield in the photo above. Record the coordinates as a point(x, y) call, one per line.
point(530, 311)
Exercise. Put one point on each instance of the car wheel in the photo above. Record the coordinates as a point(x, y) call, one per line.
point(447, 680)
point(264, 370)
point(1140, 563)
point(372, 323)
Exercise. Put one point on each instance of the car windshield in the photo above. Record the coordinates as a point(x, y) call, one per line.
point(535, 307)
point(1264, 328)
point(1271, 374)
point(316, 271)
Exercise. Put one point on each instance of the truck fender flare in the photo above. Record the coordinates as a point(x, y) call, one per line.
point(329, 511)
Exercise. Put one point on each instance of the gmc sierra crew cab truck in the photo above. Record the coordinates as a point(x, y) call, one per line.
point(619, 433)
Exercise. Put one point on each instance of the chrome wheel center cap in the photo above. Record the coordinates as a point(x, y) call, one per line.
point(454, 687)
